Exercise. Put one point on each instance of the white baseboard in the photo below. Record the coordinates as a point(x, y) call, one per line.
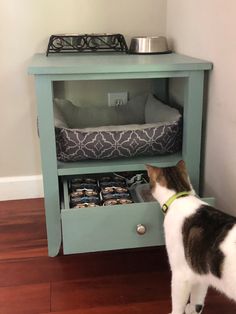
point(15, 188)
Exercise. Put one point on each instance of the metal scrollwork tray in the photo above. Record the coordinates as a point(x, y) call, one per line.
point(67, 43)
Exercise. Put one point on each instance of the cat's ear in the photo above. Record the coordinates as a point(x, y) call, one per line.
point(152, 171)
point(183, 169)
point(149, 170)
point(181, 166)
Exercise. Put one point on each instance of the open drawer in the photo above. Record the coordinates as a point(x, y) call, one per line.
point(111, 227)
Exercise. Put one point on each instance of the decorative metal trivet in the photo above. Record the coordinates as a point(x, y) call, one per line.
point(86, 43)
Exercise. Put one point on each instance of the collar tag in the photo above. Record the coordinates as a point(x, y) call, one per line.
point(164, 208)
point(167, 204)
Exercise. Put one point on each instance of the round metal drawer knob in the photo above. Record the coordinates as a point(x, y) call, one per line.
point(141, 229)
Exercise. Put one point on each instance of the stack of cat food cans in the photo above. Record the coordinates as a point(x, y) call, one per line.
point(104, 191)
point(114, 191)
point(84, 192)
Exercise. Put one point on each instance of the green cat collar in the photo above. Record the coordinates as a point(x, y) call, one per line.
point(172, 199)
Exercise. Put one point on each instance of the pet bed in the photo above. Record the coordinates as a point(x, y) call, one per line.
point(143, 127)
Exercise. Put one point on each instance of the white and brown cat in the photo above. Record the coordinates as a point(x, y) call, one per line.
point(200, 240)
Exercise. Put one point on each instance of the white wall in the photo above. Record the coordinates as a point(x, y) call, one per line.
point(206, 29)
point(25, 27)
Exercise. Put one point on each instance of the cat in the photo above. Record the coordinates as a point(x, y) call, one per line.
point(200, 240)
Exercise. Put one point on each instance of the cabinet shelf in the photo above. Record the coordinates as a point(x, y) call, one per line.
point(106, 63)
point(126, 164)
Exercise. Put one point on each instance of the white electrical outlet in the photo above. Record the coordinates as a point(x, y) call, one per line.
point(117, 99)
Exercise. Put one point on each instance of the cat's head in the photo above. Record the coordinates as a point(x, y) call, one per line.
point(169, 180)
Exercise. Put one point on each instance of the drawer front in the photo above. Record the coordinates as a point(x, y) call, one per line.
point(111, 227)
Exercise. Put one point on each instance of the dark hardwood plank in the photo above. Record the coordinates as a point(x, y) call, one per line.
point(151, 291)
point(126, 281)
point(82, 266)
point(214, 305)
point(109, 291)
point(23, 231)
point(217, 303)
point(154, 307)
point(38, 248)
point(29, 204)
point(30, 299)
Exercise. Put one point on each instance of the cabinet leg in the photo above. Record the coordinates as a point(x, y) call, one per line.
point(49, 163)
point(192, 131)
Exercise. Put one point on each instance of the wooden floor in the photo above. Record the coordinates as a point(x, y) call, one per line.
point(127, 282)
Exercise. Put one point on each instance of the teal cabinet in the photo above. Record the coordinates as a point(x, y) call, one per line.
point(113, 227)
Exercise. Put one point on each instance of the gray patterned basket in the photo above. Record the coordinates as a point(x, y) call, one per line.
point(160, 134)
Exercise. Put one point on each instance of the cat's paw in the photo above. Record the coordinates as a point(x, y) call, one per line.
point(193, 309)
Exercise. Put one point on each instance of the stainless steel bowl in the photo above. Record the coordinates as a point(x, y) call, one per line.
point(145, 44)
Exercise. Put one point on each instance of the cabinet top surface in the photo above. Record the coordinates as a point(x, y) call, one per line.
point(113, 63)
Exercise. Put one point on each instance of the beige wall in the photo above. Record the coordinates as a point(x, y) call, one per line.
point(25, 26)
point(206, 29)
